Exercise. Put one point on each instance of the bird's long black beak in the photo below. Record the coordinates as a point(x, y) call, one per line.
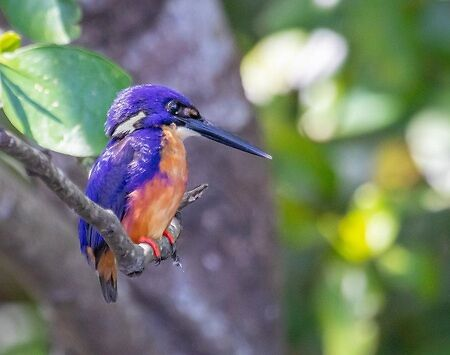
point(206, 129)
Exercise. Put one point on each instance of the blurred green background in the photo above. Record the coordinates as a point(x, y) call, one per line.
point(354, 98)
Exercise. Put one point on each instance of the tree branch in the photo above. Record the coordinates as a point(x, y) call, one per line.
point(130, 257)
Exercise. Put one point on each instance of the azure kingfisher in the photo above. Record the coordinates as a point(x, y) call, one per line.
point(142, 173)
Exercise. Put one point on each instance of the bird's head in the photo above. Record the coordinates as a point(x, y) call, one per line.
point(153, 106)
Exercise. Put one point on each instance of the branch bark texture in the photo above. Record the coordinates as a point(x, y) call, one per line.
point(130, 257)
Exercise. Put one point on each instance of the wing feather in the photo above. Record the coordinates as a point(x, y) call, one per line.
point(107, 187)
point(122, 167)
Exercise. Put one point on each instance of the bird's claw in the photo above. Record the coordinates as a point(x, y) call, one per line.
point(155, 247)
point(173, 252)
point(170, 238)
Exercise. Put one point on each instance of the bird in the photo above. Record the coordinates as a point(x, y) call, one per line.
point(142, 173)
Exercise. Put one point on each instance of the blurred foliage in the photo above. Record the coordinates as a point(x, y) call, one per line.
point(354, 98)
point(55, 95)
point(49, 21)
point(22, 330)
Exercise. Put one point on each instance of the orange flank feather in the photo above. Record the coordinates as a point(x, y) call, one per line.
point(152, 206)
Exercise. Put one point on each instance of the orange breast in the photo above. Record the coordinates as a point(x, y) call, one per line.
point(152, 207)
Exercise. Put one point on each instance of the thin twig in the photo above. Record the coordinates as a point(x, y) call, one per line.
point(130, 257)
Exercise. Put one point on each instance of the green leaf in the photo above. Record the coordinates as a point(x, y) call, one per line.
point(59, 96)
point(52, 21)
point(9, 41)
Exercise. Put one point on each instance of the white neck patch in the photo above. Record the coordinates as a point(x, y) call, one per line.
point(128, 125)
point(184, 133)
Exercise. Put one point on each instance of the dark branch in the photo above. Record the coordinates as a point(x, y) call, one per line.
point(131, 257)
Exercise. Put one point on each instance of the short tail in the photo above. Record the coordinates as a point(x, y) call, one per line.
point(107, 274)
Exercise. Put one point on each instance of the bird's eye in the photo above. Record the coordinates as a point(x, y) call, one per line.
point(173, 107)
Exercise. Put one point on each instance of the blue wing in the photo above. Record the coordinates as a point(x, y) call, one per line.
point(122, 167)
point(107, 187)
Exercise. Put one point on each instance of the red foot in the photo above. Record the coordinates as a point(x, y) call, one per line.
point(153, 245)
point(169, 237)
